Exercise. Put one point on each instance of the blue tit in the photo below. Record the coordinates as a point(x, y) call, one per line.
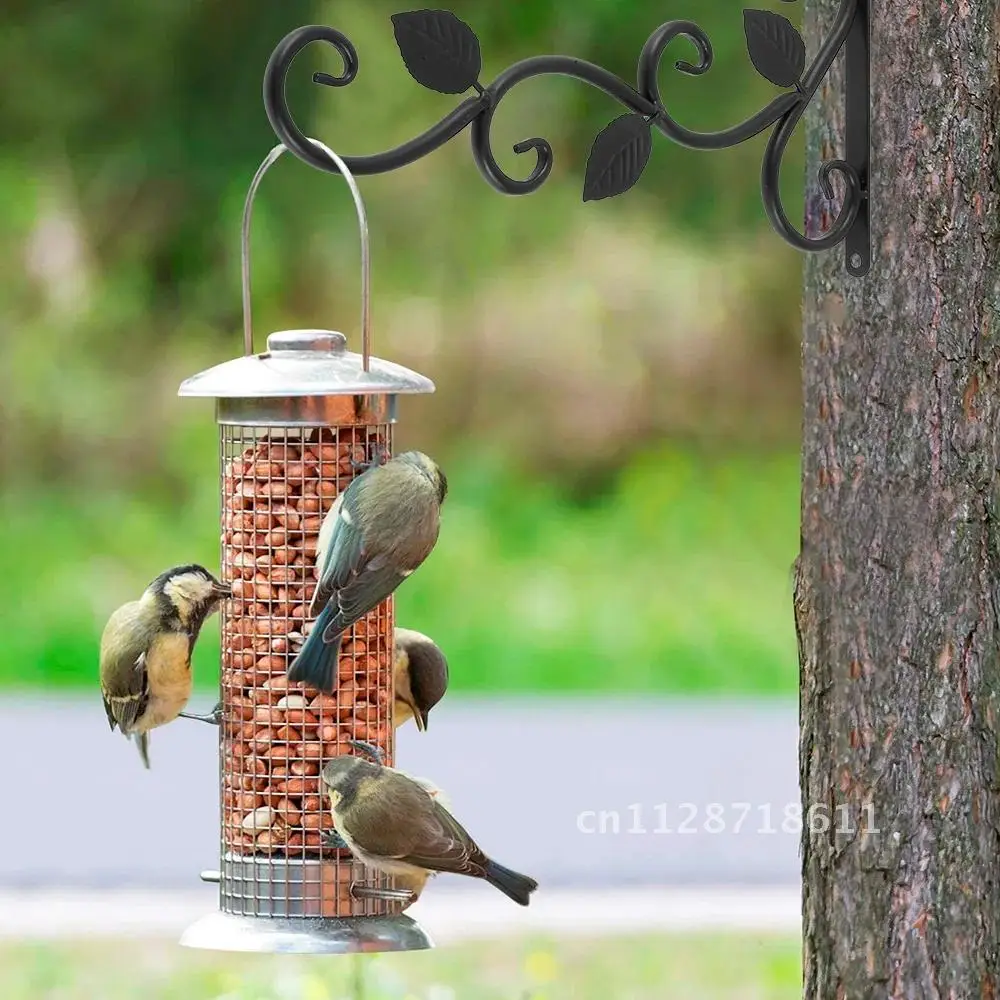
point(378, 531)
point(146, 651)
point(396, 825)
point(419, 677)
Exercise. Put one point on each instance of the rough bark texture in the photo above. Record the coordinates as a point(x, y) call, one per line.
point(897, 578)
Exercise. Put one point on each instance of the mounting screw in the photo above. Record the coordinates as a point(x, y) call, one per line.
point(855, 260)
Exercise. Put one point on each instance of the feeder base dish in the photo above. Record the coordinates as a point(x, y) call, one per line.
point(306, 935)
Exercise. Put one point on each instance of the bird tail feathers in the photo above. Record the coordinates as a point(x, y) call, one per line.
point(142, 742)
point(316, 664)
point(512, 884)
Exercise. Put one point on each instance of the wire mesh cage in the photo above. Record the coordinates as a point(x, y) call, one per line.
point(296, 424)
point(277, 485)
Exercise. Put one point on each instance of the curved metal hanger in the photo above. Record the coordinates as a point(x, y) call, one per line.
point(365, 248)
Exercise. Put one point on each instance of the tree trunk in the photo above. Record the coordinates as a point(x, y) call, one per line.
point(898, 577)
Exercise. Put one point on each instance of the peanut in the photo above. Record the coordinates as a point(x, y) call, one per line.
point(303, 785)
point(259, 819)
point(289, 813)
point(268, 716)
point(268, 840)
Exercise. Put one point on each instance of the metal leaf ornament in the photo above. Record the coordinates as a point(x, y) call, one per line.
point(440, 51)
point(776, 48)
point(617, 158)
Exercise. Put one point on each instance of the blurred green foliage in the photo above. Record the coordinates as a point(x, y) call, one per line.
point(617, 398)
point(678, 579)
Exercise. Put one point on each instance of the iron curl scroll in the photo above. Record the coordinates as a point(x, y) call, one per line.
point(442, 53)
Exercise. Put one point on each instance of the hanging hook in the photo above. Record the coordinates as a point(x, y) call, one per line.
point(443, 54)
point(365, 249)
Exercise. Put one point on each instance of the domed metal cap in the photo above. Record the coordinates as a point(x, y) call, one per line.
point(304, 363)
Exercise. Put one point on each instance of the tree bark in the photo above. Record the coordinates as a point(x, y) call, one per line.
point(898, 577)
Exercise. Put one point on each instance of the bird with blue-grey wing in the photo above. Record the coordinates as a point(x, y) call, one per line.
point(378, 531)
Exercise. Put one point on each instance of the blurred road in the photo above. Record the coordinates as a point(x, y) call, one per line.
point(575, 792)
point(448, 914)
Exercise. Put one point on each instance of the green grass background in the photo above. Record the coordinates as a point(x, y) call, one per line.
point(681, 967)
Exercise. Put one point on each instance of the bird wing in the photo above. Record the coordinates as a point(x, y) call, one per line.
point(326, 529)
point(408, 825)
point(339, 549)
point(108, 710)
point(445, 846)
point(362, 592)
point(352, 579)
point(124, 677)
point(124, 704)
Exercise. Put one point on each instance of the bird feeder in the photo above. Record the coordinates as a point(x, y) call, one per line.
point(296, 424)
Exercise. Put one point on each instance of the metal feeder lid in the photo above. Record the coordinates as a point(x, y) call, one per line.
point(304, 363)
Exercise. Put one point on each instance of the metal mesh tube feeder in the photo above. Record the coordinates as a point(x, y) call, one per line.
point(296, 424)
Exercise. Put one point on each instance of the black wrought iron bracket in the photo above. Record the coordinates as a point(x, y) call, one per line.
point(442, 53)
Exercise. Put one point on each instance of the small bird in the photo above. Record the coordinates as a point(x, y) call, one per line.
point(414, 881)
point(378, 531)
point(419, 676)
point(146, 651)
point(392, 823)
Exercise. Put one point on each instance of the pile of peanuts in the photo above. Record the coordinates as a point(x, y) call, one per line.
point(276, 736)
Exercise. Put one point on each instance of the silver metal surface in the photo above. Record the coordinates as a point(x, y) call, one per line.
point(373, 892)
point(306, 936)
point(307, 411)
point(304, 363)
point(210, 875)
point(365, 248)
point(301, 887)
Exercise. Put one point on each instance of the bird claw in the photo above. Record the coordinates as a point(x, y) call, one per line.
point(381, 457)
point(377, 754)
point(333, 840)
point(213, 718)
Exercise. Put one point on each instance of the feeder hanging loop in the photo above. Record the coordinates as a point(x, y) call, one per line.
point(366, 267)
point(443, 54)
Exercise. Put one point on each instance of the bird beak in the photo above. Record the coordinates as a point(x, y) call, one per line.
point(222, 589)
